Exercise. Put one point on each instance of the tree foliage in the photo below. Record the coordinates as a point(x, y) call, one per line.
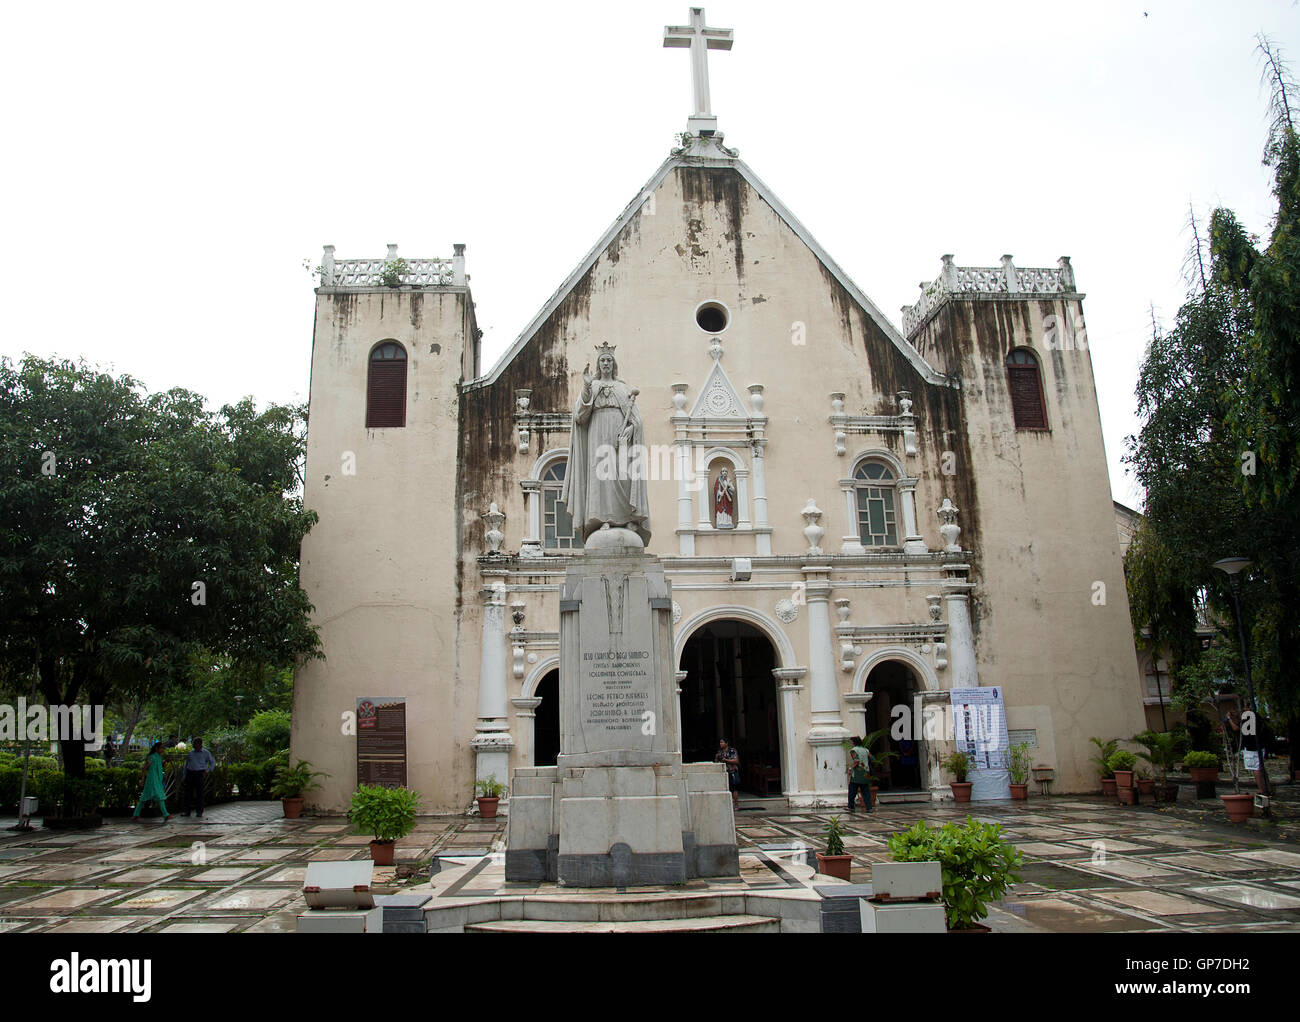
point(140, 532)
point(1218, 453)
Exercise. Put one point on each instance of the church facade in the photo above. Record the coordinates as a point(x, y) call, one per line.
point(854, 518)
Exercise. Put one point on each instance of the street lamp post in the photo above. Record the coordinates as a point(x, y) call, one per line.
point(1233, 567)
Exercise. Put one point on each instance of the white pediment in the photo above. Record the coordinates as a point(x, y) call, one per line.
point(718, 398)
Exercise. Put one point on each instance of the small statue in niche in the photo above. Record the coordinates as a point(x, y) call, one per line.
point(724, 502)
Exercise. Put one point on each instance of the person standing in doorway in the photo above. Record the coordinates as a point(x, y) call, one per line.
point(730, 758)
point(198, 764)
point(859, 774)
point(152, 779)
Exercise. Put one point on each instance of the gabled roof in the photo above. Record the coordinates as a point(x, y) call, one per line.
point(683, 158)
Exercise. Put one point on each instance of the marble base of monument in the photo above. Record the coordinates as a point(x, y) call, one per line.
point(619, 808)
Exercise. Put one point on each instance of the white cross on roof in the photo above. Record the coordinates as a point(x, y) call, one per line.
point(700, 40)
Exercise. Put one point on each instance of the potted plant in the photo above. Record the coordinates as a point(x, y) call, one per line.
point(1145, 782)
point(386, 813)
point(978, 866)
point(292, 783)
point(959, 764)
point(1161, 751)
point(1101, 759)
point(878, 759)
point(1020, 764)
point(1121, 764)
point(1240, 807)
point(1202, 766)
point(488, 794)
point(833, 862)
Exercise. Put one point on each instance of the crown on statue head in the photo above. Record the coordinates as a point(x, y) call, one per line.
point(605, 349)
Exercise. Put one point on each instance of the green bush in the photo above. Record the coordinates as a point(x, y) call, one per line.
point(1101, 758)
point(121, 789)
point(1121, 759)
point(1200, 759)
point(387, 813)
point(977, 864)
point(296, 781)
point(959, 764)
point(833, 832)
point(268, 732)
point(228, 744)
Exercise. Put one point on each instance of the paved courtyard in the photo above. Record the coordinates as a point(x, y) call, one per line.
point(1090, 866)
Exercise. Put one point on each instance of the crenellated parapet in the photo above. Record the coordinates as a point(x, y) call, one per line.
point(1007, 281)
point(392, 271)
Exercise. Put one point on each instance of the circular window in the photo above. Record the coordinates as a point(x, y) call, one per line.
point(712, 317)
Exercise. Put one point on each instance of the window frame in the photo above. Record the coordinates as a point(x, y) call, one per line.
point(891, 510)
point(372, 412)
point(1022, 369)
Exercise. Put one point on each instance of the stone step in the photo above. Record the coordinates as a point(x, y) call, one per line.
point(694, 924)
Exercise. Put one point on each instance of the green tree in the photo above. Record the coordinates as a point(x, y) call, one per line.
point(141, 531)
point(1219, 450)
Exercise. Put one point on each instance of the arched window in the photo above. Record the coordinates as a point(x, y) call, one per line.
point(557, 524)
point(386, 386)
point(874, 482)
point(1026, 386)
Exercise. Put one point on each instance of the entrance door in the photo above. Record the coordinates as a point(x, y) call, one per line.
point(729, 692)
point(546, 721)
point(894, 684)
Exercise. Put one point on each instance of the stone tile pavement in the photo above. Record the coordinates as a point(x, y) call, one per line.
point(1090, 866)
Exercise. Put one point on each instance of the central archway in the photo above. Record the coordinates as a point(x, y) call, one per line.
point(730, 692)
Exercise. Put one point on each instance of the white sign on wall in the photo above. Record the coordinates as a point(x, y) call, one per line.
point(980, 726)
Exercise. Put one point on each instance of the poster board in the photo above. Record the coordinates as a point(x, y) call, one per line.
point(980, 728)
point(381, 741)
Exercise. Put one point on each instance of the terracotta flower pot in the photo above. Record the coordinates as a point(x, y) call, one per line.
point(381, 852)
point(1124, 778)
point(292, 807)
point(961, 790)
point(1127, 796)
point(1240, 807)
point(1203, 775)
point(487, 807)
point(1167, 793)
point(1146, 786)
point(1020, 792)
point(834, 865)
point(1108, 786)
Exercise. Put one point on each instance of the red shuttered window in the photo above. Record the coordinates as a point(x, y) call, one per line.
point(1025, 383)
point(386, 386)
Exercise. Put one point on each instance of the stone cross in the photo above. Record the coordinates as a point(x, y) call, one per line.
point(700, 40)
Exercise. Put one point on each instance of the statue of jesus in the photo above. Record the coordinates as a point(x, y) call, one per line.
point(605, 484)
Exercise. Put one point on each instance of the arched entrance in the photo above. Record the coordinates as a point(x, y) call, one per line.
point(893, 683)
point(729, 692)
point(546, 720)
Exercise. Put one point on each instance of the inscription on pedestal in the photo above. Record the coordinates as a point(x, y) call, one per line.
point(616, 691)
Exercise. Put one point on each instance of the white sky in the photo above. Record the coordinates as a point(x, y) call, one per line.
point(168, 169)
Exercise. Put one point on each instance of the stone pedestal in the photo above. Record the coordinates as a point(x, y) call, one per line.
point(619, 808)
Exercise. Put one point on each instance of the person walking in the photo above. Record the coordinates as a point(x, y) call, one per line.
point(198, 764)
point(152, 779)
point(859, 774)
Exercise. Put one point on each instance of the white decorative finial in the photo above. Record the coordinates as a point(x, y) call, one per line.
point(700, 40)
point(949, 530)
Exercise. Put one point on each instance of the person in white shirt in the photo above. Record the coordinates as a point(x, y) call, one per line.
point(197, 766)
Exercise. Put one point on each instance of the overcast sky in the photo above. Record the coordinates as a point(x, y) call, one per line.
point(168, 168)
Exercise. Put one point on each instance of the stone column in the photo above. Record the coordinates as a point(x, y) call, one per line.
point(827, 733)
point(685, 538)
point(492, 742)
point(961, 638)
point(764, 539)
point(852, 539)
point(913, 542)
point(531, 545)
point(742, 498)
point(787, 683)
